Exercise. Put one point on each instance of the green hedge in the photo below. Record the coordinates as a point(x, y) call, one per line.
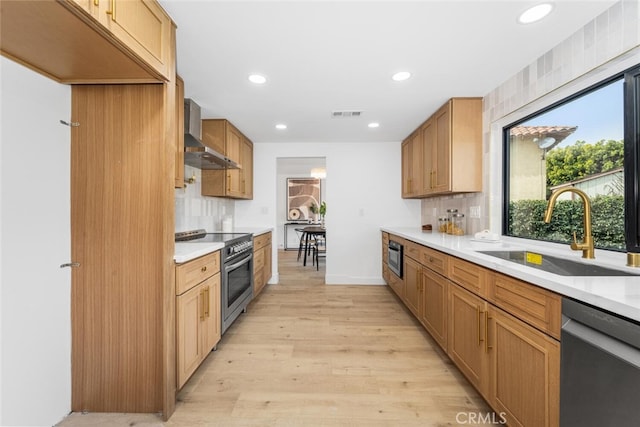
point(526, 219)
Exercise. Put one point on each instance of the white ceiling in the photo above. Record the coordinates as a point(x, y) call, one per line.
point(320, 56)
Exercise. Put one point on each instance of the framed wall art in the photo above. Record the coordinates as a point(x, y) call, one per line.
point(302, 193)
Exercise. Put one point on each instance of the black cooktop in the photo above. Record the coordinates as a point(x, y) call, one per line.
point(201, 236)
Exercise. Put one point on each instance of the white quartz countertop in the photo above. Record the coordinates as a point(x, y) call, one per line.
point(186, 251)
point(618, 294)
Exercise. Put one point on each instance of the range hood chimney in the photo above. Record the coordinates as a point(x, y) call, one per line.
point(197, 154)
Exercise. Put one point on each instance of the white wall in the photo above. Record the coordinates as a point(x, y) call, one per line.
point(35, 343)
point(362, 190)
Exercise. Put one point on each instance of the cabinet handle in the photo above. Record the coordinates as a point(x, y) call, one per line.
point(70, 264)
point(202, 304)
point(206, 299)
point(96, 2)
point(228, 182)
point(112, 12)
point(203, 269)
point(487, 347)
point(478, 313)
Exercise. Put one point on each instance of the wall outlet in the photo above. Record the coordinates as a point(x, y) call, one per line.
point(474, 211)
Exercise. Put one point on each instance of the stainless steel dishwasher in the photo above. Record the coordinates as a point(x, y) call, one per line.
point(599, 368)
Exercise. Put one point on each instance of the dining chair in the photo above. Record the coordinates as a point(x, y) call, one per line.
point(303, 242)
point(319, 251)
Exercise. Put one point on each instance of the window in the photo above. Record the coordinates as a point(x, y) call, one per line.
point(590, 142)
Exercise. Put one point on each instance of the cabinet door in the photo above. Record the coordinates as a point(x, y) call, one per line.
point(247, 168)
point(525, 372)
point(211, 330)
point(413, 286)
point(232, 151)
point(397, 284)
point(258, 270)
point(467, 337)
point(189, 320)
point(142, 26)
point(428, 156)
point(416, 163)
point(233, 143)
point(406, 168)
point(412, 165)
point(434, 315)
point(442, 156)
point(267, 271)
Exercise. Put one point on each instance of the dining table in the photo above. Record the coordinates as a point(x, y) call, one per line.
point(312, 231)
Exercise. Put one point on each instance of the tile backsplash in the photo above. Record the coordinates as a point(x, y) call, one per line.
point(194, 210)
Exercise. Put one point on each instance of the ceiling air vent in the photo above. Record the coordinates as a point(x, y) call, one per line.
point(345, 113)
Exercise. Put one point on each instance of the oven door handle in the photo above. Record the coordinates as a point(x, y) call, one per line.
point(603, 342)
point(239, 263)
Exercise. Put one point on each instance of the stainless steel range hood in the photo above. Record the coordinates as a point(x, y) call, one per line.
point(197, 154)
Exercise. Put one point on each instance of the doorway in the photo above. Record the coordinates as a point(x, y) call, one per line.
point(289, 168)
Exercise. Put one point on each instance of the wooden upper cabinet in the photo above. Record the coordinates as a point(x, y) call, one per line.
point(428, 155)
point(222, 136)
point(246, 160)
point(448, 156)
point(412, 165)
point(89, 41)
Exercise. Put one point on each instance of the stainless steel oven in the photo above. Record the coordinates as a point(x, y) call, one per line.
point(237, 279)
point(236, 271)
point(599, 368)
point(395, 261)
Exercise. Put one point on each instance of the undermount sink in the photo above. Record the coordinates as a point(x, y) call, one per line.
point(555, 265)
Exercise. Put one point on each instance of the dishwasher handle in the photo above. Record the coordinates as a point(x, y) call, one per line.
point(605, 343)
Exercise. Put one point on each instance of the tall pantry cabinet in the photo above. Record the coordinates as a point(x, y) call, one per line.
point(123, 148)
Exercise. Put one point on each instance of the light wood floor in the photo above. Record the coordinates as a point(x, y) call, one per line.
point(309, 354)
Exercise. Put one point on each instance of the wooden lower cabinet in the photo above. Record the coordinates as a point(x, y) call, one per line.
point(198, 326)
point(525, 372)
point(502, 333)
point(198, 316)
point(413, 286)
point(467, 345)
point(397, 284)
point(435, 290)
point(262, 257)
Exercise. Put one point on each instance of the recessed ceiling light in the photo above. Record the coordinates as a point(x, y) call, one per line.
point(535, 13)
point(400, 76)
point(374, 125)
point(257, 79)
point(281, 126)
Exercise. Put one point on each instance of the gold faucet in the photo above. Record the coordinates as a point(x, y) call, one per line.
point(587, 241)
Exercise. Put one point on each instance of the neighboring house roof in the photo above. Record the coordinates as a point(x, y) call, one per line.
point(555, 134)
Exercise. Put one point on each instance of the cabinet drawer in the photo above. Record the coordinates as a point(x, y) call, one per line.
point(397, 284)
point(435, 260)
point(468, 275)
point(412, 250)
point(258, 259)
point(193, 272)
point(536, 306)
point(262, 240)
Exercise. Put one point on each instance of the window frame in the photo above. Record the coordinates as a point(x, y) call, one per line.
point(631, 108)
point(632, 158)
